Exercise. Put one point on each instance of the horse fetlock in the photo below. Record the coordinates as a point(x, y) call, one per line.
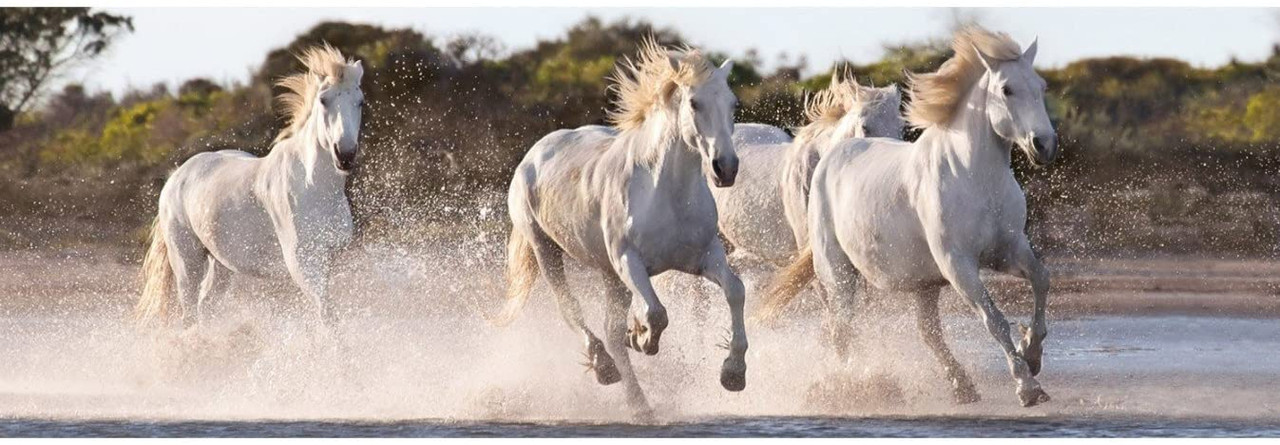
point(1030, 348)
point(733, 374)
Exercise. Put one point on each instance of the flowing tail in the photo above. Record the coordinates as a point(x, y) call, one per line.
point(157, 275)
point(522, 272)
point(785, 286)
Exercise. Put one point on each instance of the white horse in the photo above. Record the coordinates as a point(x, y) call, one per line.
point(283, 215)
point(632, 203)
point(758, 214)
point(918, 216)
point(744, 134)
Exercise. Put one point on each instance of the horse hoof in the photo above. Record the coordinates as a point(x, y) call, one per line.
point(642, 338)
point(1033, 397)
point(733, 375)
point(607, 373)
point(599, 361)
point(644, 415)
point(965, 396)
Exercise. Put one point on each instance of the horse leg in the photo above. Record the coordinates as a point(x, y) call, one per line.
point(931, 332)
point(310, 270)
point(217, 279)
point(715, 267)
point(1024, 264)
point(964, 277)
point(837, 286)
point(187, 257)
point(551, 262)
point(643, 336)
point(617, 306)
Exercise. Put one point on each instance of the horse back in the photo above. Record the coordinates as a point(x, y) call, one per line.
point(557, 187)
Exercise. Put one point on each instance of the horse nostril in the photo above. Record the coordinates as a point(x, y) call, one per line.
point(715, 168)
point(1035, 142)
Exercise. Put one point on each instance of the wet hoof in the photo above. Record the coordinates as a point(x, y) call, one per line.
point(606, 372)
point(644, 337)
point(733, 375)
point(965, 394)
point(643, 415)
point(1032, 397)
point(599, 362)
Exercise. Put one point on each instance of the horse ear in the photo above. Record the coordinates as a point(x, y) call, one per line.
point(982, 58)
point(1030, 54)
point(358, 67)
point(725, 68)
point(675, 62)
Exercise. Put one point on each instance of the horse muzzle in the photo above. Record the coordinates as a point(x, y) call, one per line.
point(725, 171)
point(1046, 149)
point(344, 160)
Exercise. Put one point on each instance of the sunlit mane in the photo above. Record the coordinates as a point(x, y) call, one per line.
point(323, 61)
point(650, 80)
point(826, 108)
point(935, 96)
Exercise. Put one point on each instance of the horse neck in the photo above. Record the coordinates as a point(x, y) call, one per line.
point(969, 142)
point(845, 128)
point(305, 150)
point(657, 145)
point(820, 142)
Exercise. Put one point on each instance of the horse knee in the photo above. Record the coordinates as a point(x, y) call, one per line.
point(734, 291)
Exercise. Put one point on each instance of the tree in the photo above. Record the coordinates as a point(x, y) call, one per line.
point(38, 44)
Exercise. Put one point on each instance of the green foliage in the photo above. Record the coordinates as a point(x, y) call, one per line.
point(1262, 116)
point(38, 43)
point(126, 137)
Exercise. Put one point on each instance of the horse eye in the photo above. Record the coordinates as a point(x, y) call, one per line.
point(693, 105)
point(1007, 91)
point(324, 101)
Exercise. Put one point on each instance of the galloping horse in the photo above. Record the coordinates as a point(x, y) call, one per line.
point(283, 215)
point(632, 203)
point(773, 182)
point(918, 216)
point(763, 214)
point(744, 134)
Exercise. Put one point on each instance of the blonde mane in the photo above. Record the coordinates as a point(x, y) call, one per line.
point(324, 65)
point(936, 96)
point(640, 85)
point(826, 108)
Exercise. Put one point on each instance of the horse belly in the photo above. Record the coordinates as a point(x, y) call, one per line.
point(890, 251)
point(244, 239)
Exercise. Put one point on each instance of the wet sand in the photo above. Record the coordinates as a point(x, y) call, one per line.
point(1184, 343)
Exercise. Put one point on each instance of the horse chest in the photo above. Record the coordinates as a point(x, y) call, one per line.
point(672, 236)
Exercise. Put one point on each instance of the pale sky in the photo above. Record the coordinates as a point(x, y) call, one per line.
point(172, 45)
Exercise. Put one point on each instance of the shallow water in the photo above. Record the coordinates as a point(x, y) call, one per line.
point(727, 427)
point(413, 357)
